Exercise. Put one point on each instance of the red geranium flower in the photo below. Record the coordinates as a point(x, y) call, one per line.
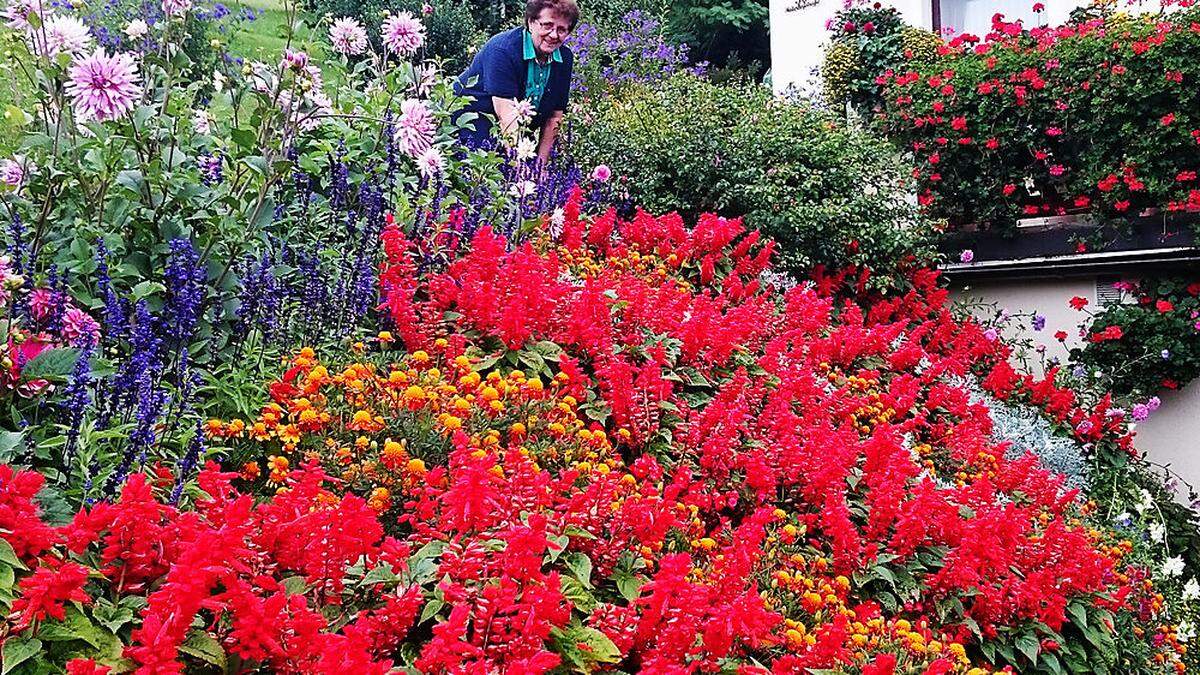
point(1077, 303)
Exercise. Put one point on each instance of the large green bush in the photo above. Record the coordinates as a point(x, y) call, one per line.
point(828, 193)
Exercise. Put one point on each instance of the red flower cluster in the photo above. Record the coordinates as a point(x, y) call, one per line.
point(721, 474)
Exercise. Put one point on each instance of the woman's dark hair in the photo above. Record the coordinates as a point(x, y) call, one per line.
point(564, 9)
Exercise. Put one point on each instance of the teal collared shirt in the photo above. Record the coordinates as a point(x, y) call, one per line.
point(537, 74)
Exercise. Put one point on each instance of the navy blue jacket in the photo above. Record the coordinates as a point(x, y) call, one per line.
point(500, 69)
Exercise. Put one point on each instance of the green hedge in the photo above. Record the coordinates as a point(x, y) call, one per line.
point(827, 193)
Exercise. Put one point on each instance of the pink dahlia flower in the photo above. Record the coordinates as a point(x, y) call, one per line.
point(348, 36)
point(18, 14)
point(431, 163)
point(60, 35)
point(403, 34)
point(41, 301)
point(415, 127)
point(12, 172)
point(176, 7)
point(79, 328)
point(601, 173)
point(103, 86)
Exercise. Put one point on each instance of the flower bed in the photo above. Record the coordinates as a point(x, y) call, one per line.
point(1096, 116)
point(629, 448)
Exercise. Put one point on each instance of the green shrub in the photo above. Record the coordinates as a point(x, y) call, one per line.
point(1155, 344)
point(867, 41)
point(827, 193)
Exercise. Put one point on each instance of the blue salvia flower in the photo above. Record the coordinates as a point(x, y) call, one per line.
point(185, 279)
point(116, 310)
point(188, 462)
point(57, 285)
point(18, 249)
point(136, 389)
point(339, 188)
point(75, 403)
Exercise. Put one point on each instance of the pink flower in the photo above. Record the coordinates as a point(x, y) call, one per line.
point(403, 34)
point(41, 301)
point(431, 163)
point(966, 256)
point(60, 35)
point(348, 36)
point(176, 7)
point(103, 87)
point(415, 127)
point(12, 172)
point(79, 328)
point(294, 60)
point(1057, 170)
point(19, 13)
point(601, 173)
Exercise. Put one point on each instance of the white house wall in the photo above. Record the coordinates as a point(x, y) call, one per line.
point(1171, 436)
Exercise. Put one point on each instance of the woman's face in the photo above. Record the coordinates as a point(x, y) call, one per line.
point(548, 31)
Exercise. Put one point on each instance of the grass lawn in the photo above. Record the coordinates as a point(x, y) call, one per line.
point(264, 38)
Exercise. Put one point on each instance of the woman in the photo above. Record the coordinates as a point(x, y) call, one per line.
point(528, 63)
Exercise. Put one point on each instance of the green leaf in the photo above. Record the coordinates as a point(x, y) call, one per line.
point(243, 137)
point(199, 644)
point(9, 556)
point(1029, 646)
point(17, 651)
point(11, 444)
point(580, 566)
point(146, 289)
point(1078, 614)
point(584, 647)
point(431, 609)
point(51, 364)
point(629, 585)
point(381, 574)
point(74, 626)
point(579, 596)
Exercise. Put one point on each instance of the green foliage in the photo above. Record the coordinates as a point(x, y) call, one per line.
point(826, 192)
point(1098, 117)
point(1160, 322)
point(866, 42)
point(718, 29)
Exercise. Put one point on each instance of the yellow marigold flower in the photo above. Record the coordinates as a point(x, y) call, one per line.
point(289, 433)
point(420, 356)
point(463, 362)
point(489, 394)
point(392, 449)
point(497, 406)
point(397, 378)
point(307, 417)
point(250, 471)
point(452, 423)
point(308, 353)
point(416, 465)
point(385, 336)
point(517, 429)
